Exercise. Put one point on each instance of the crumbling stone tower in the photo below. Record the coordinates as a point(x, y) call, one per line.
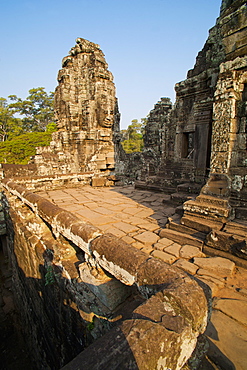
point(85, 114)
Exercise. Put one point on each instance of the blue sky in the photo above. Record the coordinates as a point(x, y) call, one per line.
point(149, 45)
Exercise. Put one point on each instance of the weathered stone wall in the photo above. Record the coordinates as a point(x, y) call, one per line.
point(229, 148)
point(70, 279)
point(183, 133)
point(229, 134)
point(17, 170)
point(156, 135)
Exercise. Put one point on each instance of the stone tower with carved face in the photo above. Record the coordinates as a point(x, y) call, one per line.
point(85, 115)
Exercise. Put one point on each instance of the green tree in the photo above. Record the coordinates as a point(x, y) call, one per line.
point(9, 125)
point(37, 109)
point(51, 127)
point(133, 136)
point(22, 147)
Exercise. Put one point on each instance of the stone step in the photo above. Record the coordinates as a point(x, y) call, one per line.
point(189, 188)
point(236, 228)
point(238, 202)
point(154, 187)
point(186, 230)
point(208, 199)
point(180, 238)
point(207, 209)
point(201, 224)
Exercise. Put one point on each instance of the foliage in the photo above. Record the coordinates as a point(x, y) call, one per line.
point(37, 109)
point(133, 136)
point(90, 326)
point(49, 276)
point(9, 125)
point(51, 127)
point(19, 149)
point(20, 136)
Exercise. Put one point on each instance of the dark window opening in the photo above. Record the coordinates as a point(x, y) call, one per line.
point(188, 145)
point(244, 93)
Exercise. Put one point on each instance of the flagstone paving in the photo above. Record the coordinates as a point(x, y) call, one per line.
point(139, 217)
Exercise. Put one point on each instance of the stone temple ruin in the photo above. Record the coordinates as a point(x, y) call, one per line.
point(85, 106)
point(205, 132)
point(89, 298)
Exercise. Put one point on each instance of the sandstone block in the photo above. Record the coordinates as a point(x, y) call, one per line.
point(166, 257)
point(133, 211)
point(98, 181)
point(228, 340)
point(127, 239)
point(180, 237)
point(165, 242)
point(220, 266)
point(236, 229)
point(149, 226)
point(147, 249)
point(210, 274)
point(119, 233)
point(137, 245)
point(107, 289)
point(233, 308)
point(146, 212)
point(125, 227)
point(173, 249)
point(158, 246)
point(188, 252)
point(147, 238)
point(186, 266)
point(201, 224)
point(226, 242)
point(207, 206)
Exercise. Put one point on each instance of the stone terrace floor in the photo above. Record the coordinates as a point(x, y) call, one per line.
point(139, 218)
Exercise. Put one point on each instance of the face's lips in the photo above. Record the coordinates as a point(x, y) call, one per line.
point(107, 122)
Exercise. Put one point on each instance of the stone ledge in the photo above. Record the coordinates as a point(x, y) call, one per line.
point(49, 181)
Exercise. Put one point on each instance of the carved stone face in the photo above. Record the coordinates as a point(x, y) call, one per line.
point(105, 111)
